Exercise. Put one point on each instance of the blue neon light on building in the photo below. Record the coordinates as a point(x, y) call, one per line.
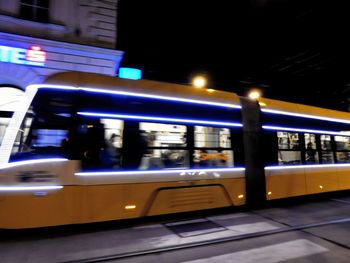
point(130, 73)
point(33, 56)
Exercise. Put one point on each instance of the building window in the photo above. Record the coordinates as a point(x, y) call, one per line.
point(35, 10)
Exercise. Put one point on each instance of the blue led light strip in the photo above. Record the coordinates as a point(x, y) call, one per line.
point(306, 116)
point(278, 128)
point(34, 161)
point(154, 118)
point(310, 166)
point(144, 95)
point(163, 171)
point(14, 188)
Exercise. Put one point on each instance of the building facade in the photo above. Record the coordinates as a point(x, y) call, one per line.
point(42, 37)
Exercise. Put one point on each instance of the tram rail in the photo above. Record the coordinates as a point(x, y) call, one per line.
point(211, 242)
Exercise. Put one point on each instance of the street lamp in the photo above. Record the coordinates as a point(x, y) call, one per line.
point(199, 81)
point(254, 94)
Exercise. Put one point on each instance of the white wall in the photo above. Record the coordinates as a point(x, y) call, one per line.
point(90, 22)
point(60, 56)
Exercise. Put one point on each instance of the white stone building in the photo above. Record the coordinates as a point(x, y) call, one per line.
point(42, 37)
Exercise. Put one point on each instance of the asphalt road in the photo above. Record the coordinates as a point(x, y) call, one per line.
point(301, 230)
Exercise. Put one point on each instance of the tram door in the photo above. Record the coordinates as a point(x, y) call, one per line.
point(89, 141)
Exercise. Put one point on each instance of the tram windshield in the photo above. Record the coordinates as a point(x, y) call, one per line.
point(44, 130)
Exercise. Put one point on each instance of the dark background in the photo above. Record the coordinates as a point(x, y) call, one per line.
point(293, 50)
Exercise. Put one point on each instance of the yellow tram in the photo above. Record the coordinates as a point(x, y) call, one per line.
point(87, 148)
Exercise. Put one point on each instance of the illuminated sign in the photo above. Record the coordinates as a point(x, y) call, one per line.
point(33, 56)
point(129, 73)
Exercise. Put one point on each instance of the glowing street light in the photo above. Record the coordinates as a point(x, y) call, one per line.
point(199, 81)
point(254, 94)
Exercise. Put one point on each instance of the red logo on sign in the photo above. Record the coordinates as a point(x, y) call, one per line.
point(35, 54)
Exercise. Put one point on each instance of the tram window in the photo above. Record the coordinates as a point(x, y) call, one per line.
point(326, 142)
point(310, 139)
point(100, 142)
point(215, 147)
point(342, 143)
point(48, 137)
point(41, 134)
point(288, 140)
point(213, 158)
point(289, 157)
point(163, 135)
point(289, 150)
point(211, 137)
point(343, 147)
point(164, 145)
point(21, 143)
point(327, 157)
point(113, 131)
point(343, 157)
point(113, 142)
point(326, 149)
point(164, 158)
point(3, 125)
point(311, 154)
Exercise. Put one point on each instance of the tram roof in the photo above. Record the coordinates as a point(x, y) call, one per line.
point(150, 87)
point(301, 109)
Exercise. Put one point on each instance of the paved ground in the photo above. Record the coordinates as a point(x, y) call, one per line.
point(325, 243)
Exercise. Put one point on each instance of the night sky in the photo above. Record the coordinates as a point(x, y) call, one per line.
point(293, 50)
